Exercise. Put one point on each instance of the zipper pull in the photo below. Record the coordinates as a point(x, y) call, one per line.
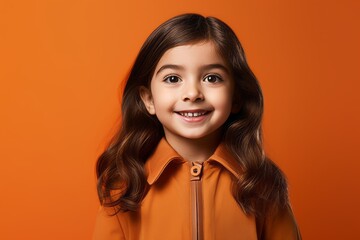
point(196, 171)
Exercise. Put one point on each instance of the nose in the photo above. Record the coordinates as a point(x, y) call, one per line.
point(192, 92)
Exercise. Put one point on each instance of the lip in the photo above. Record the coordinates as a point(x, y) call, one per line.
point(193, 115)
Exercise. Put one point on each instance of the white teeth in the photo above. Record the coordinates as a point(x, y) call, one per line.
point(192, 114)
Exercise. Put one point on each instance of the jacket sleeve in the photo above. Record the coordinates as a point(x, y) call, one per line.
point(107, 226)
point(281, 225)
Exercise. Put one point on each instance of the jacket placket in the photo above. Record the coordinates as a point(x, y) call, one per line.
point(196, 200)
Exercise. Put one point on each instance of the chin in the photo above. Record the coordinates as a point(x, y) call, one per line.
point(197, 136)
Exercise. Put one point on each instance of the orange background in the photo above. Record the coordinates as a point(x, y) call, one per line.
point(61, 66)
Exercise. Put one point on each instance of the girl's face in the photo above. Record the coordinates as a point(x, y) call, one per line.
point(191, 91)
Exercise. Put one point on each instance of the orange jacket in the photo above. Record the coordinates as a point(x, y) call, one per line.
point(191, 202)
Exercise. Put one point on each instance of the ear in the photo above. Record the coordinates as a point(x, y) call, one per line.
point(147, 99)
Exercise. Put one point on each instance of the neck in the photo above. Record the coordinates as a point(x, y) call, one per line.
point(195, 150)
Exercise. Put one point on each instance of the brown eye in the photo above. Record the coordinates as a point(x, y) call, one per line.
point(172, 79)
point(212, 78)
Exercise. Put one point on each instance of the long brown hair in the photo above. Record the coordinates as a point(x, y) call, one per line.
point(120, 169)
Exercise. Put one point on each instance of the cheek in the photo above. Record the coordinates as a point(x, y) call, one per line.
point(226, 105)
point(222, 101)
point(162, 99)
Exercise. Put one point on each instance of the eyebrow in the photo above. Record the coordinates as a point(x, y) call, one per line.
point(203, 68)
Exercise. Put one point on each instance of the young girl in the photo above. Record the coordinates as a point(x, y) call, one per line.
point(188, 161)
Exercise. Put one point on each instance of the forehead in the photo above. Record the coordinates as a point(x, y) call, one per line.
point(192, 55)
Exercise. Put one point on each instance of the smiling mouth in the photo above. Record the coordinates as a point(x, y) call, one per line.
point(192, 114)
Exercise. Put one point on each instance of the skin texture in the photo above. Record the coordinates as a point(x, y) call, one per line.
point(197, 82)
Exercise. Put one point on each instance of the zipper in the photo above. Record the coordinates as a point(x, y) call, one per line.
point(196, 200)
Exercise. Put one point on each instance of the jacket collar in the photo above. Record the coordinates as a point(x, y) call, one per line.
point(164, 154)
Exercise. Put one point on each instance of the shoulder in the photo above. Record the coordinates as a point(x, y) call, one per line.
point(280, 224)
point(107, 225)
point(276, 220)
